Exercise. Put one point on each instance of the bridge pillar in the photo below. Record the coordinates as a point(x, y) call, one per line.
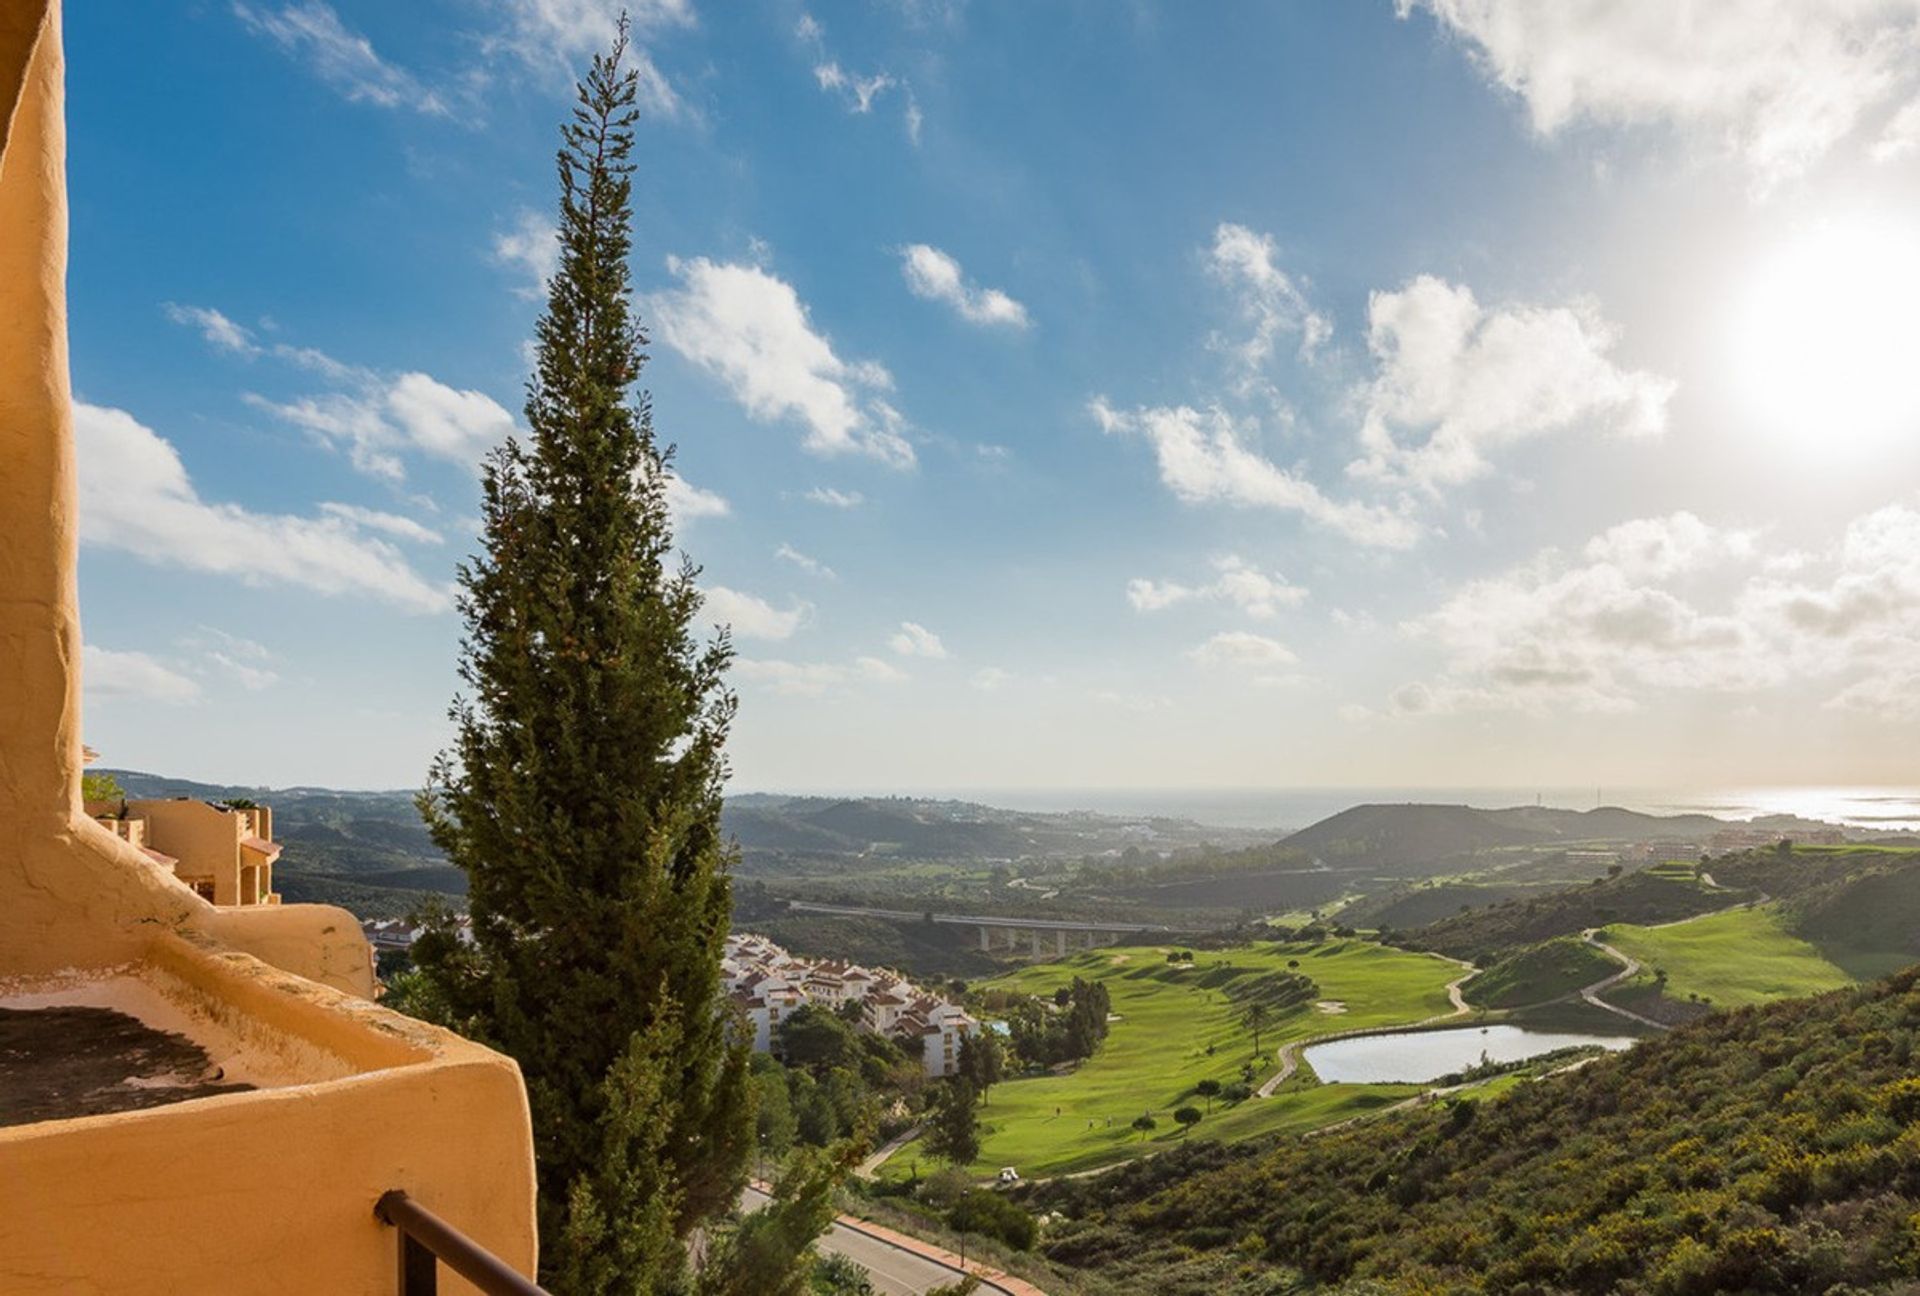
point(1035, 934)
point(1060, 943)
point(986, 942)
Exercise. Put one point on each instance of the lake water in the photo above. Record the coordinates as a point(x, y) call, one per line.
point(1421, 1057)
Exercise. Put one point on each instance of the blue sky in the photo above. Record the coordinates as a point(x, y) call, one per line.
point(1068, 395)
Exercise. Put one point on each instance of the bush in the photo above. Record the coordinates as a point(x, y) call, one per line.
point(943, 1188)
point(990, 1214)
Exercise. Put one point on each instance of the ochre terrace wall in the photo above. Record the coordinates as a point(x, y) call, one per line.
point(272, 1191)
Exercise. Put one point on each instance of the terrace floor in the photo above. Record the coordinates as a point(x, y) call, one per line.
point(63, 1061)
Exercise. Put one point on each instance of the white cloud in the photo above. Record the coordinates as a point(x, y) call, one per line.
point(135, 496)
point(815, 679)
point(552, 35)
point(687, 502)
point(247, 676)
point(935, 276)
point(1776, 83)
point(751, 617)
point(914, 119)
point(1259, 594)
point(393, 524)
point(749, 329)
point(221, 333)
point(1242, 648)
point(833, 498)
point(989, 678)
point(413, 413)
point(343, 58)
point(109, 675)
point(859, 91)
point(1204, 458)
point(1138, 703)
point(1663, 547)
point(532, 245)
point(1248, 264)
point(811, 566)
point(915, 640)
point(1599, 632)
point(244, 661)
point(1456, 382)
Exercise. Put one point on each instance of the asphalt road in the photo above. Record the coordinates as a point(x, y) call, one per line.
point(894, 1272)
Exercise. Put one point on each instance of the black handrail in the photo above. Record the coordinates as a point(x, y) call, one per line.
point(424, 1237)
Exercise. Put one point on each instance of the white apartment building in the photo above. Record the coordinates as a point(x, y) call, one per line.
point(768, 984)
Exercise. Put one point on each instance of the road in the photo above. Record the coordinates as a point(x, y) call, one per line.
point(895, 1271)
point(983, 920)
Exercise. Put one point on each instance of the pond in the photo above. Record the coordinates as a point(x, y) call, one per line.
point(1422, 1057)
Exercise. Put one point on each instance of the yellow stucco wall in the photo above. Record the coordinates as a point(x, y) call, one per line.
point(272, 1191)
point(265, 1191)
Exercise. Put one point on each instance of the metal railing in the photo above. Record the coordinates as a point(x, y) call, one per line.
point(427, 1241)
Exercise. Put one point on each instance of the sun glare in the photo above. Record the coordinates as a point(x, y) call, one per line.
point(1825, 340)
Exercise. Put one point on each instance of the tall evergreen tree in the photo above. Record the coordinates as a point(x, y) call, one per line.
point(581, 795)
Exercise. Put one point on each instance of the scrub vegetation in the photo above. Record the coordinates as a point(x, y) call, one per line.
point(1764, 1150)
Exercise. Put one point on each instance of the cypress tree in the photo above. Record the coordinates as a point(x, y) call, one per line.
point(581, 794)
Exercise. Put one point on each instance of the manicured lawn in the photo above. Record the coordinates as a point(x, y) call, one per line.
point(1178, 1026)
point(1743, 956)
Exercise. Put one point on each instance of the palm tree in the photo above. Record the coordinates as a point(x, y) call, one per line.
point(1258, 1016)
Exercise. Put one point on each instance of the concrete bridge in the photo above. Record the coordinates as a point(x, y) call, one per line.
point(1058, 933)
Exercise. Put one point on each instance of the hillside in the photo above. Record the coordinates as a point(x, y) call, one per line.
point(1859, 906)
point(1415, 840)
point(1403, 836)
point(1484, 935)
point(1768, 1150)
point(1539, 973)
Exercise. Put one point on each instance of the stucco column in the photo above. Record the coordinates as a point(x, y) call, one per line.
point(71, 893)
point(39, 618)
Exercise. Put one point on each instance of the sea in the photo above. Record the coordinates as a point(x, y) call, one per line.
point(1863, 808)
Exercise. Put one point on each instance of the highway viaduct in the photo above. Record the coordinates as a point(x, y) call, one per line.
point(1065, 934)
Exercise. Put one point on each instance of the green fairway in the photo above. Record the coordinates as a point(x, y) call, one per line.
point(1176, 1026)
point(1730, 959)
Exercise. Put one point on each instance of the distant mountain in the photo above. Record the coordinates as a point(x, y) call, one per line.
point(1399, 836)
point(768, 827)
point(1421, 838)
point(370, 852)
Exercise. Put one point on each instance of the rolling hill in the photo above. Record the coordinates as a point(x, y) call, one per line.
point(1767, 1150)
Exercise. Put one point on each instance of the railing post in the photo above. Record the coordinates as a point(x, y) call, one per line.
point(419, 1271)
point(426, 1240)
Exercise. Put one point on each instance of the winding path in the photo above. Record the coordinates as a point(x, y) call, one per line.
point(871, 1166)
point(1629, 967)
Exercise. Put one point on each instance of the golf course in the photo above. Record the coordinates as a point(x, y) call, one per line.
point(1173, 1026)
point(1728, 959)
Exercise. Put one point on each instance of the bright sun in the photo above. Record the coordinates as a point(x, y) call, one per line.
point(1825, 343)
